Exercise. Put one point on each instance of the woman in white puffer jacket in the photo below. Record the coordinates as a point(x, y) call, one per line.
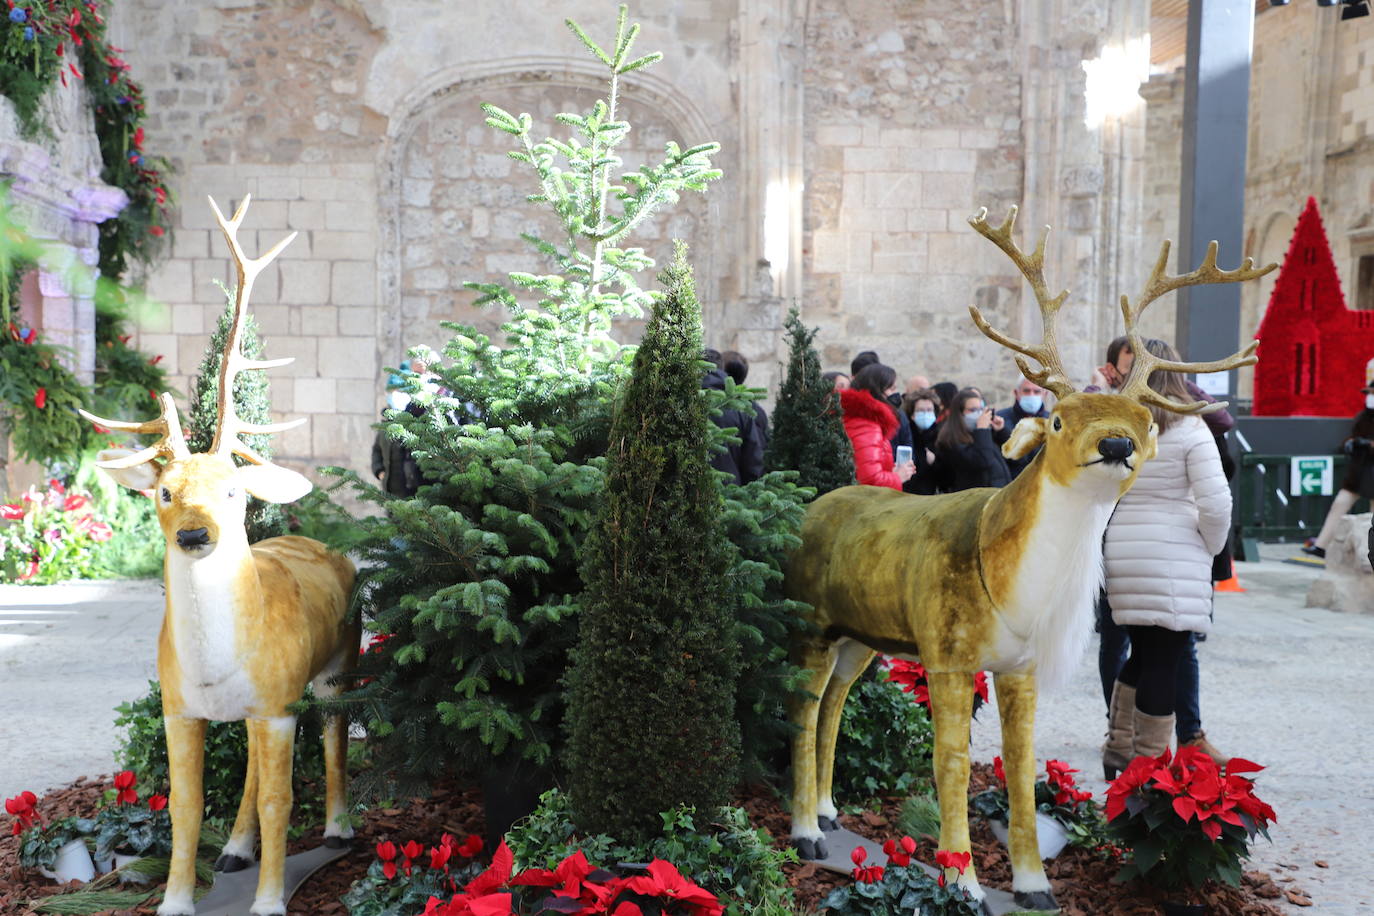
point(1158, 553)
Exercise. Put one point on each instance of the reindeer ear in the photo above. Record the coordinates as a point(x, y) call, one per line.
point(138, 477)
point(1028, 435)
point(274, 484)
point(1152, 443)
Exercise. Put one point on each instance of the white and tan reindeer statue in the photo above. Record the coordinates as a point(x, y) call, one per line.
point(246, 627)
point(1002, 580)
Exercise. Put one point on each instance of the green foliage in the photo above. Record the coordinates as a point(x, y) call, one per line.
point(50, 536)
point(133, 829)
point(407, 892)
point(901, 889)
point(39, 845)
point(651, 688)
point(476, 577)
point(920, 815)
point(316, 515)
point(136, 546)
point(808, 431)
point(85, 903)
point(252, 403)
point(722, 853)
point(143, 749)
point(886, 741)
point(127, 380)
point(29, 62)
point(38, 400)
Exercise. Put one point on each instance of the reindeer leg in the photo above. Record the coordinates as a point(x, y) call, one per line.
point(185, 759)
point(337, 829)
point(853, 659)
point(817, 657)
point(951, 703)
point(1016, 706)
point(274, 738)
point(238, 852)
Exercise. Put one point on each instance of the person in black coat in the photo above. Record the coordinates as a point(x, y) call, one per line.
point(1029, 401)
point(737, 367)
point(744, 460)
point(922, 406)
point(965, 447)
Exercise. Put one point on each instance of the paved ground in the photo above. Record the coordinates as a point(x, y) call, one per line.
point(1283, 685)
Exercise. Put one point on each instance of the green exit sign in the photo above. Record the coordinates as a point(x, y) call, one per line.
point(1311, 475)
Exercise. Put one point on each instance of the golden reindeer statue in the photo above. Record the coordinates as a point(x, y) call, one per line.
point(246, 628)
point(986, 579)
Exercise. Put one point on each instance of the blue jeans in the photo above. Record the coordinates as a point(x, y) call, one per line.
point(1111, 655)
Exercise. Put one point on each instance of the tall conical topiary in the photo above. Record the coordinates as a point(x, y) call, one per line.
point(651, 690)
point(808, 431)
point(252, 403)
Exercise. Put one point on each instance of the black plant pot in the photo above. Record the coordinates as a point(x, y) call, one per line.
point(510, 793)
point(1184, 909)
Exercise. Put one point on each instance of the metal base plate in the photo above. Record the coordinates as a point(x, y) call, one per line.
point(232, 893)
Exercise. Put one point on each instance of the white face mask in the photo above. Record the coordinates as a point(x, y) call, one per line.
point(1369, 401)
point(971, 420)
point(1030, 403)
point(924, 419)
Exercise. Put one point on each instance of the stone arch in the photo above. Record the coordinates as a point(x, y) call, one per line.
point(1274, 233)
point(440, 227)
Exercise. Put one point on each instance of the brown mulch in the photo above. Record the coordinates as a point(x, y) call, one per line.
point(1081, 881)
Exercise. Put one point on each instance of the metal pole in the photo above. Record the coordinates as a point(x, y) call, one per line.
point(1212, 206)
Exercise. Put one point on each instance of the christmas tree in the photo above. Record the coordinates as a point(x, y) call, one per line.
point(252, 403)
point(808, 431)
point(651, 689)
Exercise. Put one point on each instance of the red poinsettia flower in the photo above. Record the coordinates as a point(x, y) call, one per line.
point(1136, 775)
point(124, 782)
point(157, 802)
point(664, 880)
point(496, 875)
point(40, 398)
point(980, 685)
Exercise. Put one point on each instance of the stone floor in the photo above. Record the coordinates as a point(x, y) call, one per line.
point(1282, 684)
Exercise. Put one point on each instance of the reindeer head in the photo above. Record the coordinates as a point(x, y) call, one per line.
point(201, 498)
point(1106, 436)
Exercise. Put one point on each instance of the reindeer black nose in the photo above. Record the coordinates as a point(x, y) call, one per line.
point(1116, 448)
point(195, 537)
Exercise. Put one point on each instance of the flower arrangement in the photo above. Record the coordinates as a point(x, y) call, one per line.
point(1056, 796)
point(912, 678)
point(50, 535)
point(901, 887)
point(379, 893)
point(124, 826)
point(1184, 820)
point(39, 842)
point(574, 887)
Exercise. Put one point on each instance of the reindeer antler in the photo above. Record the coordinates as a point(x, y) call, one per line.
point(1051, 375)
point(229, 427)
point(170, 440)
point(1137, 385)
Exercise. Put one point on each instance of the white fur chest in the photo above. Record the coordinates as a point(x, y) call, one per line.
point(214, 680)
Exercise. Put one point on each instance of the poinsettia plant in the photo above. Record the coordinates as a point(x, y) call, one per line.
point(912, 678)
point(1184, 820)
point(576, 887)
point(901, 886)
point(402, 878)
point(1057, 795)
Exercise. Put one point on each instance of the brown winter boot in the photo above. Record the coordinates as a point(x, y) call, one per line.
point(1117, 752)
point(1200, 742)
point(1152, 733)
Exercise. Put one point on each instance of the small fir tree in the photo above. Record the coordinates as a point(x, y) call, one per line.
point(651, 690)
point(252, 402)
point(808, 430)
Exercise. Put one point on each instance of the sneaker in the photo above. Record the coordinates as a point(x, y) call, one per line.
point(1312, 550)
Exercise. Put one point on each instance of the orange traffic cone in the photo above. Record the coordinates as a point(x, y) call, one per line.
point(1229, 585)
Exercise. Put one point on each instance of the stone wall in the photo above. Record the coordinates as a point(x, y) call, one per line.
point(858, 137)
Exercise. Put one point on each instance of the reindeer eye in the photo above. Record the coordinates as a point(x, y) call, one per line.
point(1058, 424)
point(166, 495)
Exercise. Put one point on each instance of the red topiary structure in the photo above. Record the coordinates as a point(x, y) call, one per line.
point(1314, 352)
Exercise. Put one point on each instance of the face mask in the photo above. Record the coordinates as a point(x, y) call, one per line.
point(971, 420)
point(1030, 403)
point(924, 419)
point(397, 400)
point(1369, 401)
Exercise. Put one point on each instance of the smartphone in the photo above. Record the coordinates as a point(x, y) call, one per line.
point(903, 454)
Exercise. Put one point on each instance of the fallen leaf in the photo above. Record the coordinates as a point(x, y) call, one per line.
point(1321, 863)
point(874, 819)
point(1297, 898)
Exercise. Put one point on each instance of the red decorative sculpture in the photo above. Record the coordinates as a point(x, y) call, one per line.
point(1314, 352)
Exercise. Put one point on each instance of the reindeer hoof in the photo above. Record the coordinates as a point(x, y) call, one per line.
point(231, 863)
point(336, 842)
point(1036, 900)
point(809, 850)
point(828, 824)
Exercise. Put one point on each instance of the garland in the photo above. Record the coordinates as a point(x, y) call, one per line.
point(45, 41)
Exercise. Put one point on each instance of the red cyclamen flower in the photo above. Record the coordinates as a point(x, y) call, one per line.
point(124, 782)
point(471, 846)
point(387, 853)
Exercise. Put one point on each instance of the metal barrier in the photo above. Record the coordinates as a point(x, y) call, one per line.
point(1266, 511)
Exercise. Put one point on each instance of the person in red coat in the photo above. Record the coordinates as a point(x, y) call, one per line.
point(871, 422)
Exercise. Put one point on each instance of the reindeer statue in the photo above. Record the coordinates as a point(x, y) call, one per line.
point(985, 579)
point(246, 628)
